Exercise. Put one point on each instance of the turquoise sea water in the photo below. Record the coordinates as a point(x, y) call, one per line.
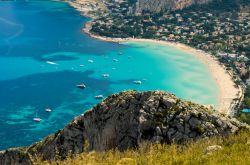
point(34, 32)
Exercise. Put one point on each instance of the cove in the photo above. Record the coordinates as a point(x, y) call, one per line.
point(35, 32)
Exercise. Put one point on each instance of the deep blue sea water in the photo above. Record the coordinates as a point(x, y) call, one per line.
point(34, 32)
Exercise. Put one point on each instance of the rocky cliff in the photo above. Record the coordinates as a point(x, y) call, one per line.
point(125, 120)
point(159, 5)
point(88, 6)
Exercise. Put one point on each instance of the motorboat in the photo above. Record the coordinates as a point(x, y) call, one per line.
point(81, 86)
point(51, 63)
point(48, 110)
point(37, 119)
point(99, 97)
point(137, 82)
point(105, 75)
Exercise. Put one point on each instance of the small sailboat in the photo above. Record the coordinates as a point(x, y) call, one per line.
point(115, 60)
point(90, 61)
point(81, 86)
point(137, 82)
point(81, 65)
point(99, 97)
point(48, 110)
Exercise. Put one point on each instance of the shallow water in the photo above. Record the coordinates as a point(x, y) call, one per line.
point(34, 32)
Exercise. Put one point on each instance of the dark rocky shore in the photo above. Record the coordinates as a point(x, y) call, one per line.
point(124, 121)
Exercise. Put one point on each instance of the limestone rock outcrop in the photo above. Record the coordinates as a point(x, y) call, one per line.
point(161, 5)
point(123, 121)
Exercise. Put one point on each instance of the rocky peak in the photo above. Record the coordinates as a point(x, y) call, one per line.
point(123, 121)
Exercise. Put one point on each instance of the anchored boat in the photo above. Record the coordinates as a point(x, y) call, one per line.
point(48, 110)
point(81, 86)
point(37, 119)
point(99, 97)
point(137, 82)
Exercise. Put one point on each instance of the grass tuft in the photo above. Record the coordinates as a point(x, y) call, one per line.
point(235, 150)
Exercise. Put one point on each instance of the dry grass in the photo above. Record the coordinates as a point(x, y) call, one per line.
point(236, 150)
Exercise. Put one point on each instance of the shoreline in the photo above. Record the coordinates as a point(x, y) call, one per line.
point(227, 88)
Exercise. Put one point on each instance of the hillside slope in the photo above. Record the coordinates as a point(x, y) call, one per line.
point(126, 120)
point(161, 5)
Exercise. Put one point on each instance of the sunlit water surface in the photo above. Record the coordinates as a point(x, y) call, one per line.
point(34, 32)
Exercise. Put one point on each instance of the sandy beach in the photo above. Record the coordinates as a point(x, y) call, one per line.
point(228, 91)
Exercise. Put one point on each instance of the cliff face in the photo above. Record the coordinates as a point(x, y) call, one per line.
point(159, 5)
point(90, 8)
point(125, 120)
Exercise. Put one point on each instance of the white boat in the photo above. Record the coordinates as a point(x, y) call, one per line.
point(82, 86)
point(115, 60)
point(105, 75)
point(81, 65)
point(48, 110)
point(137, 82)
point(37, 119)
point(90, 61)
point(51, 63)
point(99, 97)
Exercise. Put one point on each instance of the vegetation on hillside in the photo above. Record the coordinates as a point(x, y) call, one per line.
point(235, 150)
